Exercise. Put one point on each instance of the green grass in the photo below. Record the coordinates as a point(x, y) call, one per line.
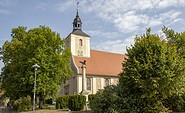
point(57, 111)
point(50, 109)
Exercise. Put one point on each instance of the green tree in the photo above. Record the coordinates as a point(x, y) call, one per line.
point(176, 39)
point(176, 102)
point(38, 45)
point(105, 101)
point(152, 72)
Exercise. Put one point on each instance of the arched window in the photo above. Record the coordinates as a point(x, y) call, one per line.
point(88, 83)
point(107, 82)
point(80, 42)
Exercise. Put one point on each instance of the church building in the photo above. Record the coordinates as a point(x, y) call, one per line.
point(101, 68)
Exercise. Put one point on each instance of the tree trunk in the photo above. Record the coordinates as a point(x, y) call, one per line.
point(41, 101)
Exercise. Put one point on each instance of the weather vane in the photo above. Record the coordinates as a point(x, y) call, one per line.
point(77, 5)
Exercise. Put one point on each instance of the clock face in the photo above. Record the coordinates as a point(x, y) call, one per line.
point(80, 53)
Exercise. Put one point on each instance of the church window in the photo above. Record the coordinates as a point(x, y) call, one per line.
point(88, 83)
point(66, 90)
point(98, 83)
point(107, 82)
point(80, 42)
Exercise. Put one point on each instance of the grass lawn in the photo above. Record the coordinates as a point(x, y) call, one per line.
point(51, 109)
point(57, 111)
point(3, 110)
point(48, 111)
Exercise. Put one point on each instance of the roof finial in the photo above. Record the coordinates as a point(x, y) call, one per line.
point(77, 8)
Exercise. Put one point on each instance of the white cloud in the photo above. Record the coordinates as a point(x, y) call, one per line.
point(129, 16)
point(42, 6)
point(130, 21)
point(3, 6)
point(168, 3)
point(143, 4)
point(154, 22)
point(177, 20)
point(63, 6)
point(172, 14)
point(116, 46)
point(103, 34)
point(182, 2)
point(168, 17)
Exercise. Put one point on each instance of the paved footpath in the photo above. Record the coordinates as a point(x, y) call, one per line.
point(5, 110)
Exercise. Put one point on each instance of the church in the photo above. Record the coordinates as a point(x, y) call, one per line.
point(101, 68)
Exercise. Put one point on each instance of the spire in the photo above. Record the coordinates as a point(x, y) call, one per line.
point(77, 8)
point(77, 24)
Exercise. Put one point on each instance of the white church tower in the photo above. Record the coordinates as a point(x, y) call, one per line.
point(91, 69)
point(77, 40)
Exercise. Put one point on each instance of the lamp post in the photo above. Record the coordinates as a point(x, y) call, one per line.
point(35, 66)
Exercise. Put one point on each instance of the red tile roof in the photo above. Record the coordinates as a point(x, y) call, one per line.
point(101, 63)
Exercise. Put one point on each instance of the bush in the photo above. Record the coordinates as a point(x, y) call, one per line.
point(62, 102)
point(76, 102)
point(104, 101)
point(176, 103)
point(91, 97)
point(22, 104)
point(49, 101)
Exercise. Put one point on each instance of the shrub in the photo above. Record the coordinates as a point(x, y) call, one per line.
point(76, 102)
point(91, 97)
point(49, 101)
point(62, 102)
point(22, 104)
point(104, 101)
point(176, 103)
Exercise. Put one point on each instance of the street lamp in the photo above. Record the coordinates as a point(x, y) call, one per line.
point(35, 66)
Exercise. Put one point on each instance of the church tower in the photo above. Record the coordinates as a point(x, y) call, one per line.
point(77, 40)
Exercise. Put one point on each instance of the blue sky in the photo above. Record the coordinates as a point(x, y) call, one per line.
point(112, 24)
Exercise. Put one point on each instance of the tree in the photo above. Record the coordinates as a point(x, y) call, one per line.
point(38, 45)
point(152, 72)
point(176, 102)
point(105, 101)
point(176, 39)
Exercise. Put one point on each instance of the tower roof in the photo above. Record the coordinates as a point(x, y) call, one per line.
point(77, 19)
point(80, 33)
point(77, 25)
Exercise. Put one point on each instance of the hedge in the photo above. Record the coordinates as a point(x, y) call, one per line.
point(62, 102)
point(76, 102)
point(72, 102)
point(91, 97)
point(22, 104)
